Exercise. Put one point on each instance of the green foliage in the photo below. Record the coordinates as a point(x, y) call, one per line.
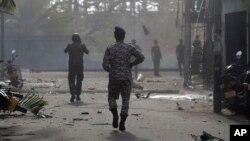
point(247, 4)
point(8, 5)
point(33, 102)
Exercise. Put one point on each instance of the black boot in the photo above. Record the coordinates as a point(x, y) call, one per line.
point(72, 99)
point(78, 98)
point(115, 117)
point(122, 122)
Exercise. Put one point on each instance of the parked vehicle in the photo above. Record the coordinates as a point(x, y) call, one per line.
point(235, 84)
point(9, 101)
point(12, 72)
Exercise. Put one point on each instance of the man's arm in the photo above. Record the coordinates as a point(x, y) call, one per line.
point(66, 50)
point(85, 50)
point(106, 63)
point(139, 57)
point(152, 53)
point(160, 53)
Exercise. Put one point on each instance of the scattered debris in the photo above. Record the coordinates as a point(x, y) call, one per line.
point(139, 95)
point(99, 112)
point(85, 113)
point(101, 124)
point(136, 86)
point(136, 115)
point(140, 78)
point(39, 115)
point(179, 107)
point(205, 137)
point(155, 81)
point(91, 89)
point(69, 124)
point(33, 102)
point(79, 119)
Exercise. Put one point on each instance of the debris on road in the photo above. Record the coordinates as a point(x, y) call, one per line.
point(91, 89)
point(85, 113)
point(136, 86)
point(136, 115)
point(140, 78)
point(205, 137)
point(99, 112)
point(79, 119)
point(179, 107)
point(155, 81)
point(139, 95)
point(101, 124)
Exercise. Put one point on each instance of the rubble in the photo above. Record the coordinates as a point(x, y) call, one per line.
point(85, 113)
point(205, 137)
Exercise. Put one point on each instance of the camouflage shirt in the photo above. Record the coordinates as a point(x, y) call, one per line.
point(117, 60)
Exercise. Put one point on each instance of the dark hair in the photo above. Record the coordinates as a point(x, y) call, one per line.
point(119, 33)
point(76, 38)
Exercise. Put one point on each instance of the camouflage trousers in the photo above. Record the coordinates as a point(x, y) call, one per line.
point(115, 88)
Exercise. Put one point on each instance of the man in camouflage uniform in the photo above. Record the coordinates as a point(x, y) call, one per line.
point(117, 61)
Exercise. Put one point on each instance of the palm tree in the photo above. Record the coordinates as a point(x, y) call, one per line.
point(7, 5)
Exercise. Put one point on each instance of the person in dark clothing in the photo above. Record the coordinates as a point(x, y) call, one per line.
point(117, 61)
point(196, 56)
point(156, 57)
point(180, 55)
point(139, 49)
point(76, 51)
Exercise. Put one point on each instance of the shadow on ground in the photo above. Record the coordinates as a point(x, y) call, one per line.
point(124, 136)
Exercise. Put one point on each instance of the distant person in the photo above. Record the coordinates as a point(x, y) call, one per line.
point(196, 56)
point(156, 57)
point(117, 61)
point(180, 55)
point(139, 49)
point(76, 51)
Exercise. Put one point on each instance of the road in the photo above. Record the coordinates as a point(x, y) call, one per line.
point(152, 119)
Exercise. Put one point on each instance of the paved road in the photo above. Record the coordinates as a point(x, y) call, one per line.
point(149, 119)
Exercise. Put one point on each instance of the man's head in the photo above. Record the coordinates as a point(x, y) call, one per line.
point(155, 42)
point(119, 33)
point(181, 41)
point(133, 41)
point(76, 38)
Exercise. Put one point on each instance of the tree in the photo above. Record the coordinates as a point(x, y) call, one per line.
point(7, 5)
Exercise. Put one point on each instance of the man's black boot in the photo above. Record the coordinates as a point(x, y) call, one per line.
point(122, 122)
point(72, 98)
point(78, 98)
point(115, 117)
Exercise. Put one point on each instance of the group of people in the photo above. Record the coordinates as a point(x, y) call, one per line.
point(196, 57)
point(116, 61)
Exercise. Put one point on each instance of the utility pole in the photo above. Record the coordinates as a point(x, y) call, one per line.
point(187, 41)
point(2, 44)
point(217, 55)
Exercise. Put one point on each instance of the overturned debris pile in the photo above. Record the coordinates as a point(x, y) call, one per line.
point(33, 102)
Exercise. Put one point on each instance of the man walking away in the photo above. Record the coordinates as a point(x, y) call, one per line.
point(180, 55)
point(156, 57)
point(117, 62)
point(139, 49)
point(75, 75)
